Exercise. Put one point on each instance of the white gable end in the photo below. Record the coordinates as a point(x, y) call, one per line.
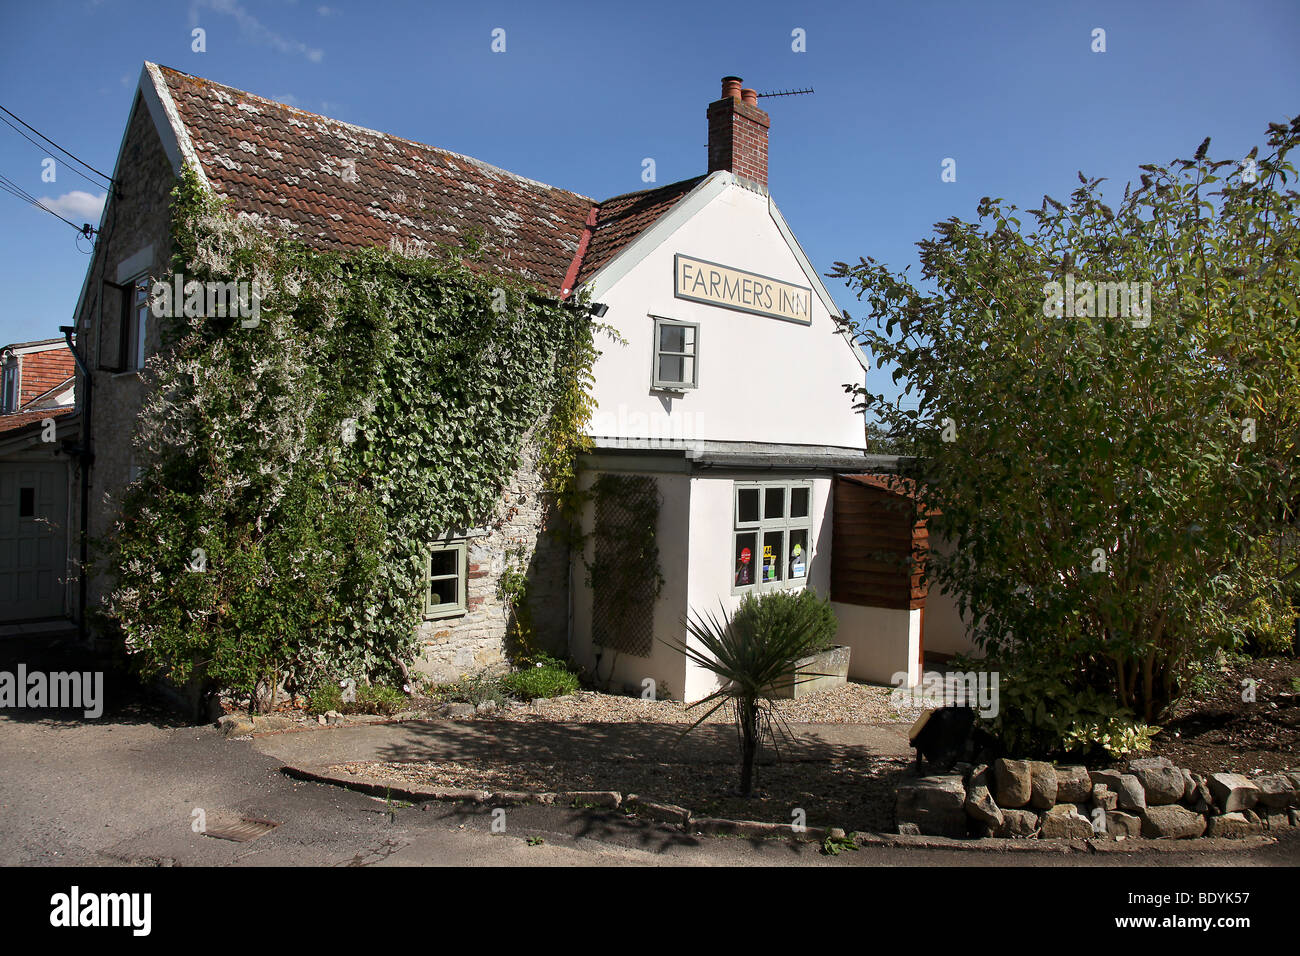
point(761, 377)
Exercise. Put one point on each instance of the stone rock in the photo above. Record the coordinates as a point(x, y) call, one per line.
point(1275, 792)
point(1120, 825)
point(908, 829)
point(1013, 782)
point(1295, 817)
point(1171, 822)
point(1073, 785)
point(980, 777)
point(235, 725)
point(1275, 819)
point(271, 723)
point(1203, 800)
point(486, 707)
point(458, 711)
point(1126, 787)
point(980, 806)
point(1064, 822)
point(1252, 817)
point(1042, 785)
point(609, 799)
point(1231, 826)
point(1189, 786)
point(333, 717)
point(1018, 823)
point(1104, 797)
point(1162, 782)
point(1233, 792)
point(937, 805)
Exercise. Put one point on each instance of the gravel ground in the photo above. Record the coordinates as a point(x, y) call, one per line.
point(850, 704)
point(851, 793)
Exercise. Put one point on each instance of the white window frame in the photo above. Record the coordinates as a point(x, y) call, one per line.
point(783, 525)
point(665, 385)
point(9, 386)
point(458, 547)
point(138, 312)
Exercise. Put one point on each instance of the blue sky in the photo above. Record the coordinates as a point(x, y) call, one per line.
point(585, 91)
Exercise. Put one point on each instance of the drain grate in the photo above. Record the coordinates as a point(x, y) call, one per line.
point(241, 831)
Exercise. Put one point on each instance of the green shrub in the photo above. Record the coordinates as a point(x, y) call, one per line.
point(379, 699)
point(475, 690)
point(547, 678)
point(325, 697)
point(798, 611)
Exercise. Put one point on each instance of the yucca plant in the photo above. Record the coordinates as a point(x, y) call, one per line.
point(753, 655)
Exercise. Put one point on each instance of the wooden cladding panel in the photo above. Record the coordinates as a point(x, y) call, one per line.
point(876, 548)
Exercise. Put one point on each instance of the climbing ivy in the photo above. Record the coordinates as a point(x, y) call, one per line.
point(296, 468)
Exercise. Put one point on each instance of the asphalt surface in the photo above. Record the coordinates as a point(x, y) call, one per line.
point(123, 790)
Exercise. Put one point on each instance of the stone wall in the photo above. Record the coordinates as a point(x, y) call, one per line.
point(477, 641)
point(1146, 798)
point(135, 220)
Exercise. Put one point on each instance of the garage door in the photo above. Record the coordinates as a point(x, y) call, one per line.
point(33, 539)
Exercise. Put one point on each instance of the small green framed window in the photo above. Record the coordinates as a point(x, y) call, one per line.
point(676, 354)
point(444, 580)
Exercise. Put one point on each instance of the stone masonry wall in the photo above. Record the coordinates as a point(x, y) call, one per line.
point(1146, 798)
point(477, 641)
point(136, 219)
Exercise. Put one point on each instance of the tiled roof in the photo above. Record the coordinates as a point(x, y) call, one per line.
point(9, 423)
point(335, 185)
point(623, 218)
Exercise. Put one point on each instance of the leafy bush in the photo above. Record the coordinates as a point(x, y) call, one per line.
point(379, 699)
point(325, 696)
point(288, 491)
point(474, 690)
point(547, 678)
point(789, 611)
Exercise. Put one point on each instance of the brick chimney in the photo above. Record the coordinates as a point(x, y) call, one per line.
point(738, 132)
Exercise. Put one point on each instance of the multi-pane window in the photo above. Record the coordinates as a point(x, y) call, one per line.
point(676, 358)
point(771, 536)
point(137, 318)
point(445, 580)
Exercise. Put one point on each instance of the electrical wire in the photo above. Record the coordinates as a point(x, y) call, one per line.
point(14, 189)
point(73, 156)
point(71, 168)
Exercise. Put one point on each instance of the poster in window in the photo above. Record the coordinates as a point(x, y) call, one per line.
point(745, 544)
point(798, 554)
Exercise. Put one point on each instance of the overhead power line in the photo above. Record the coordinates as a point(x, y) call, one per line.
point(11, 187)
point(67, 153)
point(71, 168)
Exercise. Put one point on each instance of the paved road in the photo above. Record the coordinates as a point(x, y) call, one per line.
point(122, 792)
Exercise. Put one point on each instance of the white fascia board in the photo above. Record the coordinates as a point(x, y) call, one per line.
point(813, 277)
point(630, 256)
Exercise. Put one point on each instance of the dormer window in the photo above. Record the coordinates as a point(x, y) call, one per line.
point(676, 355)
point(9, 386)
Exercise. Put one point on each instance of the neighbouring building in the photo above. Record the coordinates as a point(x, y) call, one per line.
point(723, 417)
point(38, 419)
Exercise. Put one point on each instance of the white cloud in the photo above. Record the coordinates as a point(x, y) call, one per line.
point(288, 99)
point(327, 11)
point(253, 30)
point(77, 206)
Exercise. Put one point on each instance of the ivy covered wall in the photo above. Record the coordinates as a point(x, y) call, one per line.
point(296, 467)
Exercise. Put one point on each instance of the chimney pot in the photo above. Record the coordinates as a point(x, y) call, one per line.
point(738, 132)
